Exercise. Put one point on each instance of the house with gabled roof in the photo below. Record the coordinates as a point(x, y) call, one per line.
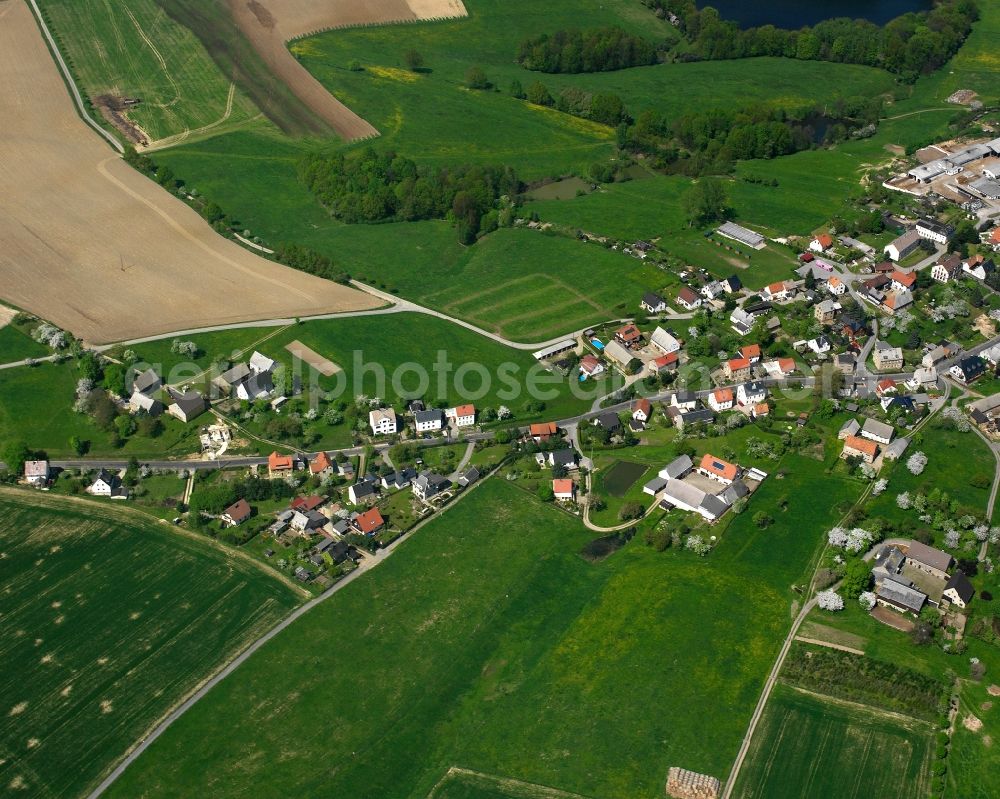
point(591, 366)
point(721, 399)
point(968, 369)
point(187, 406)
point(382, 421)
point(928, 559)
point(237, 513)
point(108, 484)
point(958, 591)
point(628, 336)
point(948, 267)
point(564, 489)
point(368, 523)
point(653, 303)
point(36, 473)
point(879, 432)
point(665, 363)
point(737, 369)
point(903, 281)
point(321, 465)
point(855, 447)
point(543, 431)
point(899, 248)
point(664, 341)
point(688, 299)
point(148, 382)
point(278, 464)
point(718, 469)
point(642, 409)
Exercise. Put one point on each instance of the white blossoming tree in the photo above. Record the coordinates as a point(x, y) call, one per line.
point(880, 486)
point(866, 599)
point(830, 600)
point(916, 463)
point(837, 537)
point(904, 500)
point(952, 538)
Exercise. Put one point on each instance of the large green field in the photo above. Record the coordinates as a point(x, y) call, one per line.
point(488, 643)
point(135, 50)
point(108, 620)
point(808, 746)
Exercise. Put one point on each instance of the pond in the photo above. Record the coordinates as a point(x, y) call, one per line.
point(793, 14)
point(622, 476)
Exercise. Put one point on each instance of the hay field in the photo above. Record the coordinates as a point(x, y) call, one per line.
point(269, 24)
point(106, 621)
point(100, 250)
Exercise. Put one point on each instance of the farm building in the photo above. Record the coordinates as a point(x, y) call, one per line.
point(741, 234)
point(554, 350)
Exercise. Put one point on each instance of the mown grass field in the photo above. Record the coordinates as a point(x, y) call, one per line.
point(108, 620)
point(16, 345)
point(136, 50)
point(808, 746)
point(489, 643)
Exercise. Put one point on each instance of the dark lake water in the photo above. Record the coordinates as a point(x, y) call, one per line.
point(794, 14)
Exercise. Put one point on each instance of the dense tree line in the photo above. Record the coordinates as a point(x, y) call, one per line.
point(909, 46)
point(384, 187)
point(306, 260)
point(595, 50)
point(604, 107)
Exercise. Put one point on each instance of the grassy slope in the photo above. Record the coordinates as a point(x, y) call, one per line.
point(808, 747)
point(108, 620)
point(489, 643)
point(15, 345)
point(118, 50)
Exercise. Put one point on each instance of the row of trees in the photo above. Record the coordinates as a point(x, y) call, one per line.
point(604, 107)
point(594, 50)
point(911, 45)
point(383, 187)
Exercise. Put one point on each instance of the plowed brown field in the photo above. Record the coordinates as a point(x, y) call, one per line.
point(269, 24)
point(98, 249)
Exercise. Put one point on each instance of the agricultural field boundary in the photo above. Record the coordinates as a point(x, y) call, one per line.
point(515, 789)
point(67, 77)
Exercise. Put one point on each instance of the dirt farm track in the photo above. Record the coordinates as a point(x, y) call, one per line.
point(100, 250)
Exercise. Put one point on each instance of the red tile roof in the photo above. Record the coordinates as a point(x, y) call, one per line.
point(629, 333)
point(320, 463)
point(787, 365)
point(723, 395)
point(643, 405)
point(736, 364)
point(370, 521)
point(905, 278)
point(762, 409)
point(306, 504)
point(544, 429)
point(277, 463)
point(776, 288)
point(719, 467)
point(687, 295)
point(750, 351)
point(239, 510)
point(995, 236)
point(861, 445)
point(465, 410)
point(825, 240)
point(562, 486)
point(665, 360)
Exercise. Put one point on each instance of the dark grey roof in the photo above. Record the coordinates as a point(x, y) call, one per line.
point(653, 300)
point(961, 585)
point(236, 374)
point(433, 415)
point(469, 476)
point(901, 596)
point(929, 556)
point(147, 381)
point(416, 405)
point(190, 403)
point(694, 417)
point(735, 284)
point(563, 457)
point(259, 383)
point(973, 366)
point(890, 558)
point(714, 505)
point(678, 467)
point(363, 489)
point(609, 421)
point(734, 491)
point(686, 396)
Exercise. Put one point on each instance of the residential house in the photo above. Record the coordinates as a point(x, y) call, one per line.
point(362, 492)
point(665, 363)
point(903, 281)
point(968, 369)
point(904, 404)
point(923, 377)
point(759, 410)
point(542, 431)
point(590, 366)
point(664, 341)
point(148, 382)
point(36, 473)
point(642, 410)
point(566, 458)
point(712, 289)
point(885, 387)
point(819, 345)
point(108, 484)
point(781, 290)
point(836, 286)
point(429, 421)
point(877, 431)
point(886, 357)
point(368, 523)
point(653, 303)
point(609, 421)
point(934, 231)
point(855, 447)
point(188, 406)
point(237, 513)
point(721, 399)
point(718, 469)
point(958, 590)
point(684, 400)
point(751, 393)
point(399, 480)
point(321, 465)
point(619, 355)
point(306, 522)
point(780, 367)
point(979, 267)
point(279, 464)
point(628, 336)
point(682, 419)
point(826, 311)
point(382, 421)
point(232, 377)
point(749, 351)
point(737, 369)
point(991, 355)
point(428, 485)
point(948, 267)
point(732, 284)
point(901, 247)
point(140, 402)
point(257, 386)
point(935, 356)
point(687, 299)
point(929, 560)
point(821, 243)
point(306, 504)
point(564, 489)
point(845, 362)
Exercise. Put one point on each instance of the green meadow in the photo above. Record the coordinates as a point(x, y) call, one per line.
point(109, 619)
point(488, 643)
point(137, 50)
